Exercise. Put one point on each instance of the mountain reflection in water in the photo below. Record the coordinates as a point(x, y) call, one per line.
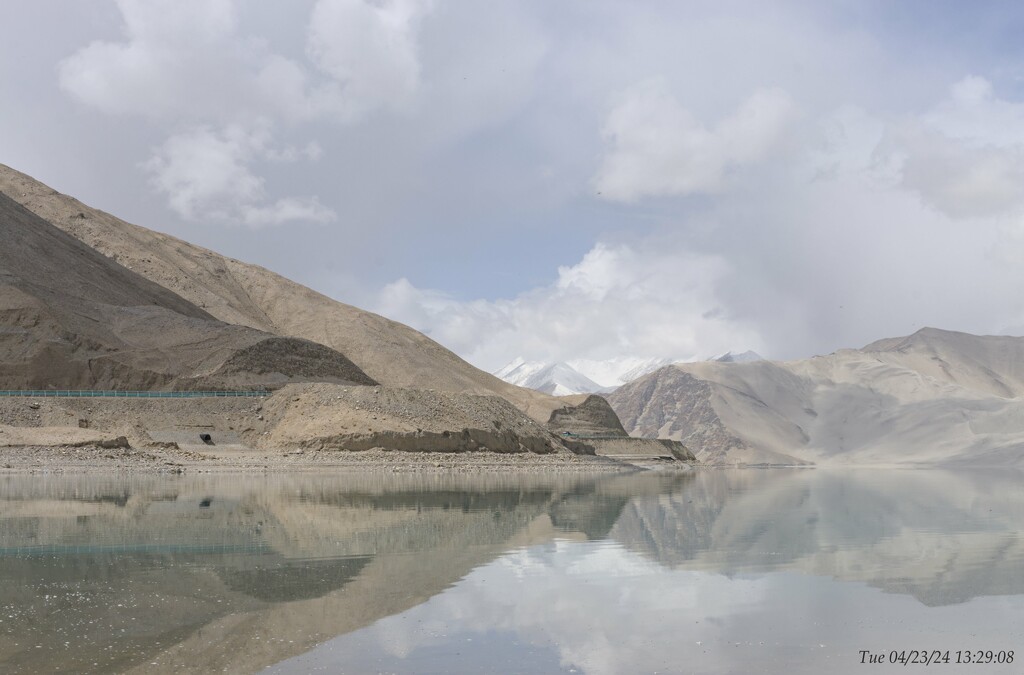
point(356, 573)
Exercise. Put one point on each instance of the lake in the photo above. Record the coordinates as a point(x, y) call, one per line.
point(713, 571)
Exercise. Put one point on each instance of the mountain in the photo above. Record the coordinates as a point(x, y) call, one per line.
point(88, 301)
point(590, 376)
point(247, 295)
point(615, 372)
point(743, 357)
point(934, 397)
point(579, 376)
point(71, 318)
point(557, 379)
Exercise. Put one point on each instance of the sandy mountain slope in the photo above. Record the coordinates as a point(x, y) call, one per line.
point(932, 397)
point(239, 293)
point(72, 318)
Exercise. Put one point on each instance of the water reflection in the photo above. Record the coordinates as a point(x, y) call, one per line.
point(361, 573)
point(942, 537)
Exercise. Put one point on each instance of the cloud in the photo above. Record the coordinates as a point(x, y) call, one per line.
point(370, 49)
point(659, 148)
point(179, 60)
point(966, 156)
point(835, 205)
point(185, 64)
point(960, 180)
point(187, 59)
point(832, 248)
point(206, 177)
point(616, 301)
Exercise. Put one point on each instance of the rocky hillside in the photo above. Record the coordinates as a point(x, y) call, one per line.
point(70, 318)
point(931, 397)
point(248, 295)
point(90, 302)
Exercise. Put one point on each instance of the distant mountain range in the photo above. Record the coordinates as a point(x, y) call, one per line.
point(934, 397)
point(743, 357)
point(557, 379)
point(590, 376)
point(579, 376)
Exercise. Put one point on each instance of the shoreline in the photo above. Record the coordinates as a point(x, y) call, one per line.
point(65, 459)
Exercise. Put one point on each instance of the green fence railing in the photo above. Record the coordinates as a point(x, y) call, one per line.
point(71, 393)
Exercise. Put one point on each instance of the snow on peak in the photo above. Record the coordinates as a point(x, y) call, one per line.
point(516, 368)
point(579, 376)
point(559, 379)
point(618, 371)
point(744, 357)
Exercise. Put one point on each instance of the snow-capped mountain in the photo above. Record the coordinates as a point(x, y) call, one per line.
point(744, 357)
point(618, 371)
point(579, 376)
point(589, 376)
point(558, 379)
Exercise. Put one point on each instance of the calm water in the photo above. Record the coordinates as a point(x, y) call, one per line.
point(713, 572)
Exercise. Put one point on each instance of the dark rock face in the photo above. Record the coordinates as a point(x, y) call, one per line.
point(675, 404)
point(295, 357)
point(71, 318)
point(593, 417)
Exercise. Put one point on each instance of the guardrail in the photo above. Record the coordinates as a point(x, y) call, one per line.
point(70, 393)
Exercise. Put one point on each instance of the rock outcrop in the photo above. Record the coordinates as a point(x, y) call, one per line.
point(586, 415)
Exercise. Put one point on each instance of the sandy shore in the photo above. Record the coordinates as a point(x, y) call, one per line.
point(91, 459)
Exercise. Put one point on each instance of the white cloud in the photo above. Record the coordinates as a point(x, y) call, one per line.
point(179, 60)
point(833, 243)
point(960, 180)
point(966, 156)
point(369, 47)
point(657, 147)
point(186, 59)
point(616, 301)
point(185, 64)
point(810, 240)
point(206, 177)
point(286, 210)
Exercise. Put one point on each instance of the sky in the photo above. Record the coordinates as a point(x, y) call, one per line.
point(557, 180)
